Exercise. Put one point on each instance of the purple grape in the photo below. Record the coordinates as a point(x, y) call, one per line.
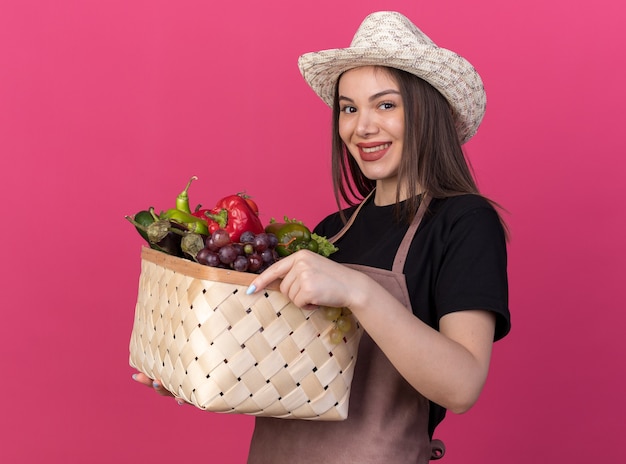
point(261, 242)
point(255, 262)
point(239, 248)
point(247, 237)
point(228, 254)
point(269, 256)
point(220, 238)
point(273, 240)
point(208, 257)
point(240, 264)
point(208, 243)
point(201, 257)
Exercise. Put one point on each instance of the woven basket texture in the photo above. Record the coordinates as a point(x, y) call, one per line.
point(209, 343)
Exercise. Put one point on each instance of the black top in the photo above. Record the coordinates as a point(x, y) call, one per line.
point(457, 260)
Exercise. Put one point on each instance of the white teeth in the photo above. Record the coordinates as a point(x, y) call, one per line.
point(377, 148)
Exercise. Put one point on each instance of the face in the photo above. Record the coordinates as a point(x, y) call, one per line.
point(371, 123)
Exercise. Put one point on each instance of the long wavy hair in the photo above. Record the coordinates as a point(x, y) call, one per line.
point(432, 161)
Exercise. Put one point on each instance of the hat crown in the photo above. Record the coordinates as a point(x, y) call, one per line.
point(388, 30)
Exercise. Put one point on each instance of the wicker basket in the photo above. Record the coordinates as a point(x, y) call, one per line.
point(221, 350)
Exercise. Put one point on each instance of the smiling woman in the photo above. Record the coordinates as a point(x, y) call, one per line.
point(421, 261)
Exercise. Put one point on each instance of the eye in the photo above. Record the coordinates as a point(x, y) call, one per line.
point(387, 105)
point(348, 109)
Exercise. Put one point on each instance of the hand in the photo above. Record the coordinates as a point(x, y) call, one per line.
point(311, 280)
point(155, 385)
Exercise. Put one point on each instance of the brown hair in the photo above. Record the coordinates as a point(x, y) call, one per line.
point(433, 159)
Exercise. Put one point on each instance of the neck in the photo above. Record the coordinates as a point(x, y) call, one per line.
point(386, 192)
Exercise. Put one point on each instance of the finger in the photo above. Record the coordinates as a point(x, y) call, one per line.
point(276, 271)
point(142, 379)
point(289, 286)
point(160, 389)
point(154, 384)
point(289, 282)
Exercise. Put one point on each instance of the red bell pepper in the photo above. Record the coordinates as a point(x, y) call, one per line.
point(232, 213)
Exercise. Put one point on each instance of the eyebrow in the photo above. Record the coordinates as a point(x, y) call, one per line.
point(373, 97)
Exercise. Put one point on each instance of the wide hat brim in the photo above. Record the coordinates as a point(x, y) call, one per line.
point(409, 50)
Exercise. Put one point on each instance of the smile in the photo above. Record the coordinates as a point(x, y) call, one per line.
point(376, 148)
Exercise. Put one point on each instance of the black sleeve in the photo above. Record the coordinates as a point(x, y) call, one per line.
point(473, 272)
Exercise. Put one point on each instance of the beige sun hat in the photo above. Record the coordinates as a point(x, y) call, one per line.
point(388, 38)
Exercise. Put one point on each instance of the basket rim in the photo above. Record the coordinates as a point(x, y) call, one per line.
point(199, 271)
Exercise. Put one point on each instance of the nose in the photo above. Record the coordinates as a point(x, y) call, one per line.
point(366, 124)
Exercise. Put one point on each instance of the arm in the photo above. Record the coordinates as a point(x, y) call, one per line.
point(448, 367)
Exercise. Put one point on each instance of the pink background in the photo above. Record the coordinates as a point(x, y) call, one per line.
point(107, 107)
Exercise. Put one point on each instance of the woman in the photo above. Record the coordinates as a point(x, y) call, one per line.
point(422, 256)
point(422, 228)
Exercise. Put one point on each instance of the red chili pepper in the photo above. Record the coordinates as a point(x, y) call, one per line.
point(233, 214)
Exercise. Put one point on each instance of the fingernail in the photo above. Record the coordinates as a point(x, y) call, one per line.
point(251, 289)
point(134, 376)
point(180, 402)
point(156, 385)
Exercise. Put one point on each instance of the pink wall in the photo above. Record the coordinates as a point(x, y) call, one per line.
point(107, 107)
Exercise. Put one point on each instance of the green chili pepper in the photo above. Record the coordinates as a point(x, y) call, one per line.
point(182, 200)
point(189, 221)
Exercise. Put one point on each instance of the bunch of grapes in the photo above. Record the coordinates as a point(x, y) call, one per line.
point(253, 253)
point(342, 317)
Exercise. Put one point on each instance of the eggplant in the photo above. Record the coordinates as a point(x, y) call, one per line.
point(191, 244)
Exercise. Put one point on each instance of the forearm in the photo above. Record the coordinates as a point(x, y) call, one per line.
point(448, 367)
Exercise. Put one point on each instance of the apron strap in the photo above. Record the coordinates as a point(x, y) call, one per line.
point(403, 250)
point(345, 228)
point(437, 447)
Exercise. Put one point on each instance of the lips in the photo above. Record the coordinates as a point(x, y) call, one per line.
point(373, 151)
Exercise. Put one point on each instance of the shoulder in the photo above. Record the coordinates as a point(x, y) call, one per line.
point(463, 211)
point(461, 204)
